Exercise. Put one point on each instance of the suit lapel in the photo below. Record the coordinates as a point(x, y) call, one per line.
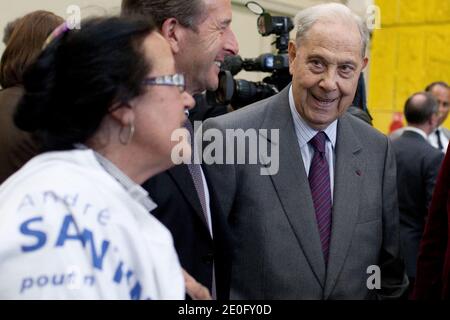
point(348, 173)
point(180, 174)
point(291, 184)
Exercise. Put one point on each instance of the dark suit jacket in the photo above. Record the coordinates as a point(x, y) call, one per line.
point(277, 251)
point(433, 266)
point(16, 146)
point(180, 211)
point(203, 110)
point(418, 165)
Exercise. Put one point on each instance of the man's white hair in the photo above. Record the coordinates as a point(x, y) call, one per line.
point(306, 18)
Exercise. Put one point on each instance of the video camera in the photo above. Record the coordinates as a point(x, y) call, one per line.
point(239, 92)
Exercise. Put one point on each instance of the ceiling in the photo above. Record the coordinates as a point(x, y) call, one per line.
point(290, 7)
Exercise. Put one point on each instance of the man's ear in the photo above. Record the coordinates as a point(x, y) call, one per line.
point(292, 50)
point(365, 62)
point(172, 31)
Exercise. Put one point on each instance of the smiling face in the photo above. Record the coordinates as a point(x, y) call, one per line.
point(325, 69)
point(204, 49)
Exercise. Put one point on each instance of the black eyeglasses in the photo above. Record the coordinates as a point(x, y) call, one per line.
point(176, 79)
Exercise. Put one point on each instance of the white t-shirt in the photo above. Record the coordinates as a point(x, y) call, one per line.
point(69, 230)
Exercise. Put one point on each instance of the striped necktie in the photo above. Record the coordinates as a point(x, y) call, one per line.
point(319, 182)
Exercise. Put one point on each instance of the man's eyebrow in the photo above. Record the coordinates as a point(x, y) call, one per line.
point(321, 57)
point(348, 62)
point(316, 56)
point(225, 23)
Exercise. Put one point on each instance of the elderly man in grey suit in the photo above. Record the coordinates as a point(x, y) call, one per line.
point(326, 224)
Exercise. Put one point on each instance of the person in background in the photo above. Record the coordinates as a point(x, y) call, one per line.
point(417, 168)
point(25, 44)
point(7, 32)
point(74, 221)
point(359, 105)
point(360, 114)
point(433, 265)
point(440, 137)
point(200, 37)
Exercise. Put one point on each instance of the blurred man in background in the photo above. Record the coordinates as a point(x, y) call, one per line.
point(440, 137)
point(418, 164)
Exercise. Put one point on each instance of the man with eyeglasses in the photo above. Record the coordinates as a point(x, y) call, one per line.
point(200, 37)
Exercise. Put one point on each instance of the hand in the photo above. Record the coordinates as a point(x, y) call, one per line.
point(195, 289)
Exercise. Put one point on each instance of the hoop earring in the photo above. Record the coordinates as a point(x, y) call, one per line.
point(130, 134)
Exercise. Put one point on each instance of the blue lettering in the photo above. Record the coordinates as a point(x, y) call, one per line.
point(103, 217)
point(129, 275)
point(52, 195)
point(64, 234)
point(89, 280)
point(71, 201)
point(119, 273)
point(86, 237)
point(26, 201)
point(97, 260)
point(40, 236)
point(27, 283)
point(86, 207)
point(56, 281)
point(135, 293)
point(42, 281)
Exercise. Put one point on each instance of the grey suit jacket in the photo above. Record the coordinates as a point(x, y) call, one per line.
point(276, 251)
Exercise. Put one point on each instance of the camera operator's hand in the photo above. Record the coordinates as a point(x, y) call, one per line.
point(195, 289)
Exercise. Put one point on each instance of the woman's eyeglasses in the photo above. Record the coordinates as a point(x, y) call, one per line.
point(176, 80)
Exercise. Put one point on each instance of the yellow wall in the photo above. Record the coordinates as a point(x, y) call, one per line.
point(411, 49)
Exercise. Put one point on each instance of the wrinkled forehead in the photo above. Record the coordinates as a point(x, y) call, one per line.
point(219, 10)
point(340, 39)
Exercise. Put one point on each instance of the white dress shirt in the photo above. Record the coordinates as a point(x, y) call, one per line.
point(207, 199)
point(305, 133)
point(432, 138)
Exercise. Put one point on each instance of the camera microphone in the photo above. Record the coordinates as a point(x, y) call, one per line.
point(233, 64)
